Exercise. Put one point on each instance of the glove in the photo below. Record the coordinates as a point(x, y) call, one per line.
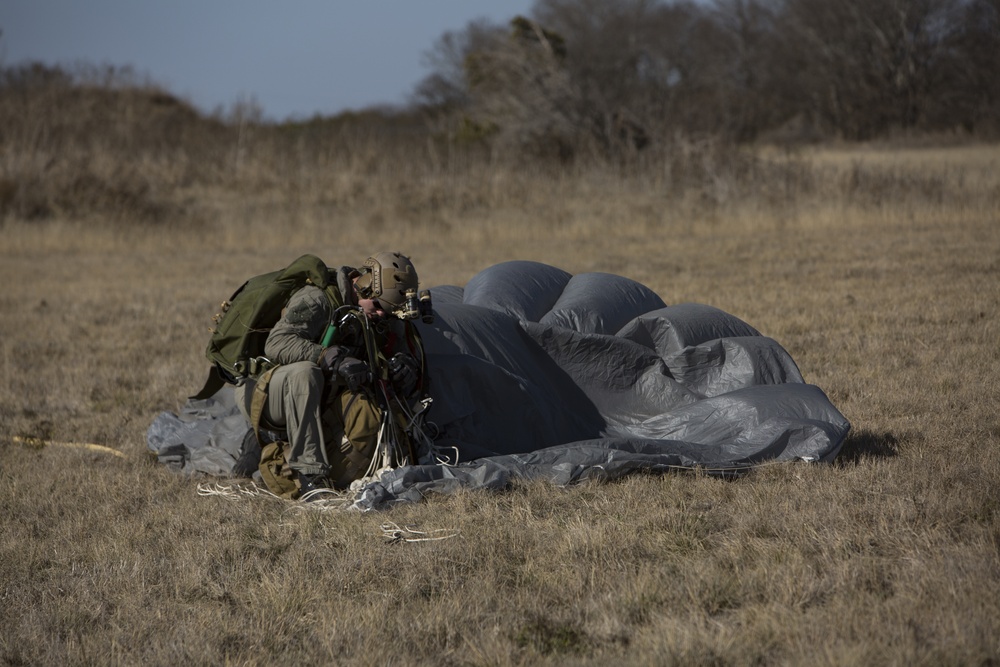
point(337, 360)
point(404, 374)
point(329, 358)
point(354, 372)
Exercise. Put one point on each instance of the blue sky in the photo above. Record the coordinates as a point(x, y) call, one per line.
point(295, 58)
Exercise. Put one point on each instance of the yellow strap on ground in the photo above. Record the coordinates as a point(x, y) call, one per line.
point(38, 443)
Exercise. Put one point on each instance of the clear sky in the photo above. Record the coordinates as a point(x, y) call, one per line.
point(294, 57)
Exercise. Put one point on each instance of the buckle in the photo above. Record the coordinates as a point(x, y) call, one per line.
point(260, 365)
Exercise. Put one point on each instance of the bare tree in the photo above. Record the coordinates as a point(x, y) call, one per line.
point(522, 91)
point(971, 87)
point(867, 65)
point(613, 76)
point(446, 85)
point(750, 70)
point(635, 64)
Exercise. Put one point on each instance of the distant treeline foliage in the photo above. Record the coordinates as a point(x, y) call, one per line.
point(100, 142)
point(642, 86)
point(617, 75)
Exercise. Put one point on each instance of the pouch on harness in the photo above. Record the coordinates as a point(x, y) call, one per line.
point(236, 347)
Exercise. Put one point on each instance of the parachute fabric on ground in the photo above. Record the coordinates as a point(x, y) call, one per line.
point(206, 436)
point(536, 373)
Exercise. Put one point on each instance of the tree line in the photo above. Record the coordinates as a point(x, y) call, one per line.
point(613, 77)
point(596, 78)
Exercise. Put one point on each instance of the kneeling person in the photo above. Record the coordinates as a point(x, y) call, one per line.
point(327, 400)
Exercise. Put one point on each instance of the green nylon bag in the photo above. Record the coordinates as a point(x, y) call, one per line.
point(250, 313)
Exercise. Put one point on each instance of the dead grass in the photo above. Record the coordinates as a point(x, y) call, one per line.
point(886, 295)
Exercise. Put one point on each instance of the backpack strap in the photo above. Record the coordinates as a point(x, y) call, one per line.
point(331, 329)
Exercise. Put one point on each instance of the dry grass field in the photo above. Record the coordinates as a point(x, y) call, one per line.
point(878, 269)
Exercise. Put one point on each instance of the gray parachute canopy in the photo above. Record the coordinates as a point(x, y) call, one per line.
point(536, 373)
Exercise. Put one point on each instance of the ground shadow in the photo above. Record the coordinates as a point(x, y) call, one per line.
point(868, 444)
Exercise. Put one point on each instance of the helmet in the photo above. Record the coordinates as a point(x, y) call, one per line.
point(387, 276)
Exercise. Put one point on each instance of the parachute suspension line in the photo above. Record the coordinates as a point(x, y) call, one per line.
point(320, 500)
point(412, 429)
point(387, 453)
point(395, 533)
point(427, 451)
point(442, 459)
point(384, 449)
point(234, 491)
point(396, 444)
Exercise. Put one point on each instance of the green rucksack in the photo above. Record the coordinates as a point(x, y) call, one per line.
point(236, 347)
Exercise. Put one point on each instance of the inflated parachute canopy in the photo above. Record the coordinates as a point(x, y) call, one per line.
point(539, 373)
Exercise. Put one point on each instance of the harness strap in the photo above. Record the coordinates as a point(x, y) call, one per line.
point(277, 475)
point(259, 400)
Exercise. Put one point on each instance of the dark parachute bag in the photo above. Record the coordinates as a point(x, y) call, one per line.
point(236, 347)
